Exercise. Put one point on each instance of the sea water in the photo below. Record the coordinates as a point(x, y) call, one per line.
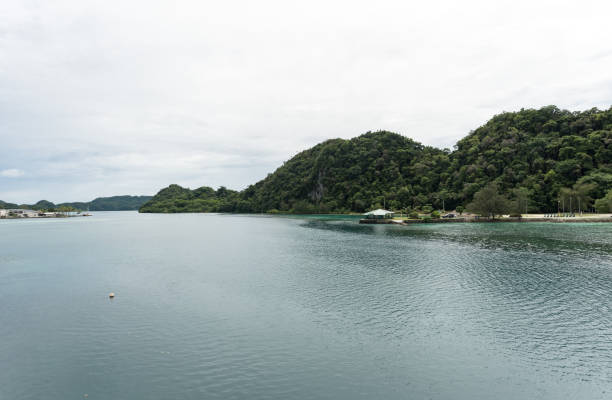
point(257, 307)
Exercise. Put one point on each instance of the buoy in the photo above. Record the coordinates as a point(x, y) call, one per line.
point(111, 295)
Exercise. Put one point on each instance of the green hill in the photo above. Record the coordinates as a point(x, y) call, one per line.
point(541, 150)
point(114, 203)
point(41, 205)
point(538, 154)
point(175, 199)
point(4, 205)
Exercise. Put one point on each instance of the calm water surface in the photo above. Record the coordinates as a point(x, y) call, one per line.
point(249, 307)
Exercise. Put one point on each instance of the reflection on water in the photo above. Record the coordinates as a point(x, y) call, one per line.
point(217, 306)
point(574, 237)
point(540, 289)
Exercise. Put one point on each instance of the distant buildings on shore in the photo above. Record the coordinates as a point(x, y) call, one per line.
point(22, 213)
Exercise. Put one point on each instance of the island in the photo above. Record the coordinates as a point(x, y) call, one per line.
point(544, 161)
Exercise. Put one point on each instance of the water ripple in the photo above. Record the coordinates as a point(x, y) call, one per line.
point(233, 307)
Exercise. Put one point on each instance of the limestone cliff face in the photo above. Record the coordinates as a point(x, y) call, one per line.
point(319, 189)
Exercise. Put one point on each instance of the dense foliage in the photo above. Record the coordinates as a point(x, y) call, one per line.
point(541, 151)
point(114, 203)
point(175, 199)
point(536, 159)
point(489, 202)
point(604, 205)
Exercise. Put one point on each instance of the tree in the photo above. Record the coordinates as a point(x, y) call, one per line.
point(521, 202)
point(577, 197)
point(65, 209)
point(404, 195)
point(583, 191)
point(442, 196)
point(459, 209)
point(601, 180)
point(604, 205)
point(489, 202)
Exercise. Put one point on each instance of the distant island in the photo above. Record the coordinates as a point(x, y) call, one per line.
point(534, 160)
point(114, 203)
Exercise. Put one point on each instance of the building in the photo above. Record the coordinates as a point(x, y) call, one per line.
point(23, 213)
point(3, 213)
point(379, 214)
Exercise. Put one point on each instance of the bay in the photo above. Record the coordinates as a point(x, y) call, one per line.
point(259, 307)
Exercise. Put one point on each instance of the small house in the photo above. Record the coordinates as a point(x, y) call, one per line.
point(379, 214)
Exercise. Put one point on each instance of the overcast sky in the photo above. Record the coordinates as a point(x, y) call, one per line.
point(101, 98)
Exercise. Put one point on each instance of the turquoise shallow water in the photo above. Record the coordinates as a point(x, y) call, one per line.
point(250, 307)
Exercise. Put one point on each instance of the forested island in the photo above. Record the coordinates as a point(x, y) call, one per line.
point(534, 159)
point(113, 203)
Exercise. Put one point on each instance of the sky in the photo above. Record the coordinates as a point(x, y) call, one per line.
point(101, 98)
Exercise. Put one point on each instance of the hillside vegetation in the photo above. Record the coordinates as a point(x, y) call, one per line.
point(114, 203)
point(535, 157)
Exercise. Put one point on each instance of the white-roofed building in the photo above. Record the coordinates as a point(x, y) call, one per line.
point(379, 214)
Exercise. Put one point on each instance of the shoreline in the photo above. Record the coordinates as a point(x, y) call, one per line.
point(483, 220)
point(46, 216)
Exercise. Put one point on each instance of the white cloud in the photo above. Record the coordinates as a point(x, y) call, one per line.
point(127, 99)
point(11, 173)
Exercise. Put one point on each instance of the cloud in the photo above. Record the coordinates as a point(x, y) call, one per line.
point(11, 173)
point(98, 100)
